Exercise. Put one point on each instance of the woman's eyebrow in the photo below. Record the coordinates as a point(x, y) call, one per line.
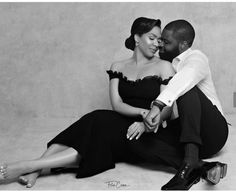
point(153, 34)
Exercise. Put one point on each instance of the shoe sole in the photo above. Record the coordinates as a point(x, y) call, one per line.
point(216, 173)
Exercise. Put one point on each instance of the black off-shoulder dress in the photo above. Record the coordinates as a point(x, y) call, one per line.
point(100, 136)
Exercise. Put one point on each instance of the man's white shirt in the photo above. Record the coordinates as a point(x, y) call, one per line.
point(192, 68)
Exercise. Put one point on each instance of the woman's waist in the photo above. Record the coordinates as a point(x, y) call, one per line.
point(137, 102)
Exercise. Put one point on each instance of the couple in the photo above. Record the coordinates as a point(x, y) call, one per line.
point(164, 113)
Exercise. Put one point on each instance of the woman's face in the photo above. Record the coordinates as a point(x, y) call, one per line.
point(148, 42)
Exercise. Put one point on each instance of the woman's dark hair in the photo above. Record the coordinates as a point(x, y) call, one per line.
point(140, 26)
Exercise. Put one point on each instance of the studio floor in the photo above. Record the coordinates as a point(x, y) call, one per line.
point(23, 139)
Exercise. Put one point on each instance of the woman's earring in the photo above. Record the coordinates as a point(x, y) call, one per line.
point(136, 43)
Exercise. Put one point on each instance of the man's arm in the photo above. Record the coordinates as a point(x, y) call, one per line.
point(156, 114)
point(195, 70)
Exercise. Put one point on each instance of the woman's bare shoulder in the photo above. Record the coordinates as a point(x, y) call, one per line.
point(118, 65)
point(164, 68)
point(164, 64)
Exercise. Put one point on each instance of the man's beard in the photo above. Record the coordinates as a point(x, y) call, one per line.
point(166, 56)
point(169, 56)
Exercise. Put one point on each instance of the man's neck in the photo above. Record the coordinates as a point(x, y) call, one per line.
point(183, 50)
point(182, 53)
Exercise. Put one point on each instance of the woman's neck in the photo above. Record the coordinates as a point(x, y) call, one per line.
point(139, 59)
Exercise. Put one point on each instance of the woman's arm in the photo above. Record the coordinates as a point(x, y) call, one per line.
point(117, 102)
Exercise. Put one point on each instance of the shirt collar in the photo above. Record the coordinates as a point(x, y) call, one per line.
point(183, 55)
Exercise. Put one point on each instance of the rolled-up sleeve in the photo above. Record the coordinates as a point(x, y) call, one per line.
point(194, 70)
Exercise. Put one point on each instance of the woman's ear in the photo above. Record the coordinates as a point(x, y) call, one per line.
point(136, 38)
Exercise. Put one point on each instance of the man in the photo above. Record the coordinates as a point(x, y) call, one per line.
point(203, 128)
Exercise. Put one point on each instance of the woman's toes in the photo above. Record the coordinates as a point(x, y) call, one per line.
point(29, 179)
point(3, 172)
point(29, 185)
point(23, 180)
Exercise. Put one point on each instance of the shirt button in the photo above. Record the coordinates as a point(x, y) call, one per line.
point(169, 101)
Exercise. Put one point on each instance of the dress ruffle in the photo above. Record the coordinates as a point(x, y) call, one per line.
point(120, 75)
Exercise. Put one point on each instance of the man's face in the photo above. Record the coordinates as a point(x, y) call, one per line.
point(169, 47)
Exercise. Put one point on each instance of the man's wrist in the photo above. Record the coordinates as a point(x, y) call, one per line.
point(158, 104)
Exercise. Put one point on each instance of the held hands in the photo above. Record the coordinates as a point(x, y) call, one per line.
point(153, 119)
point(138, 128)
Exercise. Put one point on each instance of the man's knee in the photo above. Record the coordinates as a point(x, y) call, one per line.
point(190, 100)
point(189, 96)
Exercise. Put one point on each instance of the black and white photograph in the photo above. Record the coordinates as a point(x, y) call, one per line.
point(117, 95)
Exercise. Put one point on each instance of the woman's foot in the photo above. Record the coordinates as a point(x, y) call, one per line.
point(3, 172)
point(13, 170)
point(29, 179)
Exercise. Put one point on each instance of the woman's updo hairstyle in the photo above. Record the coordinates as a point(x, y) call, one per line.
point(140, 26)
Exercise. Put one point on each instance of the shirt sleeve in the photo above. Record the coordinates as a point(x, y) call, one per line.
point(195, 69)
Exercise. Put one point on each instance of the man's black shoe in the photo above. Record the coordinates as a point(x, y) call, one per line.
point(184, 178)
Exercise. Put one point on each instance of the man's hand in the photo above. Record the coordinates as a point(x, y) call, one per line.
point(135, 130)
point(152, 120)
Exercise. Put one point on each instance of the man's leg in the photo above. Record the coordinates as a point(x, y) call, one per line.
point(203, 132)
point(202, 124)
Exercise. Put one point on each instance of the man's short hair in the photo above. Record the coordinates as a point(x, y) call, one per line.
point(182, 30)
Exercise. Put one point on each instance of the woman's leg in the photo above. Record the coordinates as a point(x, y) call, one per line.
point(30, 179)
point(67, 157)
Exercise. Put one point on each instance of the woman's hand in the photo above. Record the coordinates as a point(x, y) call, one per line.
point(144, 112)
point(135, 130)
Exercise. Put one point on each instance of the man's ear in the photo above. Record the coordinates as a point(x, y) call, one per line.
point(183, 45)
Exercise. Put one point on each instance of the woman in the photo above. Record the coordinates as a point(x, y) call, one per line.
point(99, 139)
